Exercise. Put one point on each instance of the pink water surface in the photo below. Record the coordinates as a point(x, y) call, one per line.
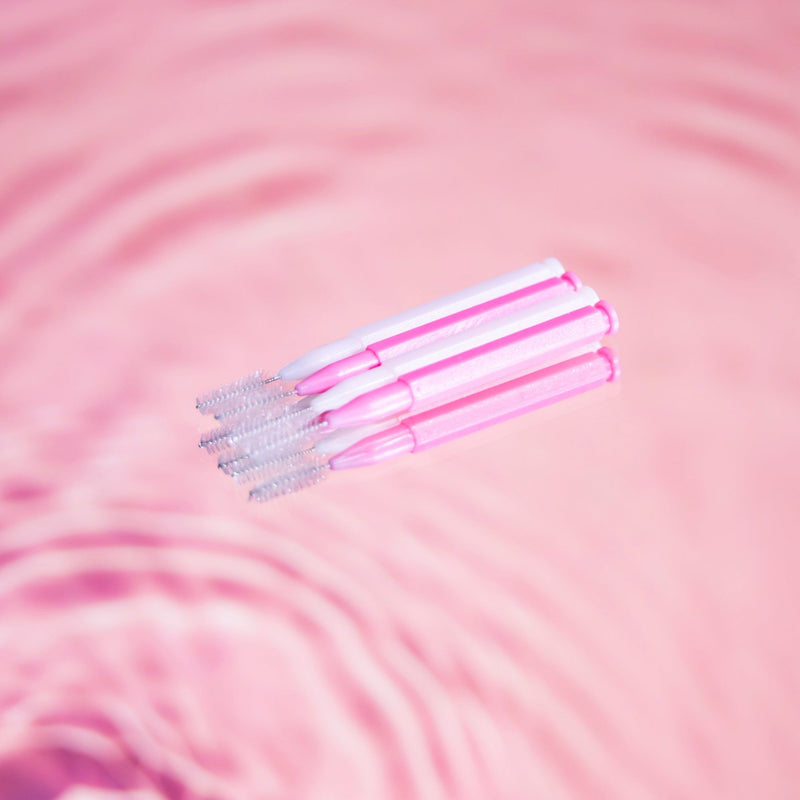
point(599, 602)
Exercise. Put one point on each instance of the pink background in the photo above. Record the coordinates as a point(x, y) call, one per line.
point(599, 601)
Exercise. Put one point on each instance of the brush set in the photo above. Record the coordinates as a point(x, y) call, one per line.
point(472, 359)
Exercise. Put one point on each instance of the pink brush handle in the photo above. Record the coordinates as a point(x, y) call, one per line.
point(380, 352)
point(479, 367)
point(470, 414)
point(486, 408)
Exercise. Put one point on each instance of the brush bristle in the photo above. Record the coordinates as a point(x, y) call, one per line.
point(239, 428)
point(269, 443)
point(280, 441)
point(256, 436)
point(260, 439)
point(268, 466)
point(288, 483)
point(273, 395)
point(251, 426)
point(208, 402)
point(262, 432)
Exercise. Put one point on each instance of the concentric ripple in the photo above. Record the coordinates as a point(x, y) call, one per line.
point(593, 603)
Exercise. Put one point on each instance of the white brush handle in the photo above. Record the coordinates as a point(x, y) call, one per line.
point(350, 388)
point(360, 338)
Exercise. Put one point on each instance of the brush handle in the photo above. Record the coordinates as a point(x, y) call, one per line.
point(516, 354)
point(362, 337)
point(480, 367)
point(489, 407)
point(386, 349)
point(450, 346)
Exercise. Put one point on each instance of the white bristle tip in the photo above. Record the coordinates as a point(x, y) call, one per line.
point(210, 401)
point(288, 484)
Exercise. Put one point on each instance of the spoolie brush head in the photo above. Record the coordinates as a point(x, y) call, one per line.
point(250, 428)
point(209, 402)
point(293, 419)
point(289, 430)
point(239, 428)
point(260, 440)
point(275, 394)
point(214, 440)
point(289, 483)
point(268, 466)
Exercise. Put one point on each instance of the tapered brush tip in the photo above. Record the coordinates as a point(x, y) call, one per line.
point(288, 483)
point(210, 402)
point(275, 395)
point(263, 467)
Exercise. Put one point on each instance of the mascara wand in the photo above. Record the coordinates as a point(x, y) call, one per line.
point(395, 386)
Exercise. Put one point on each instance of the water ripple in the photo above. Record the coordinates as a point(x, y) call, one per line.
point(596, 607)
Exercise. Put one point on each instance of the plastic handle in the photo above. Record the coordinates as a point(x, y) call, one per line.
point(532, 348)
point(450, 346)
point(360, 338)
point(510, 356)
point(451, 303)
point(394, 346)
point(386, 349)
point(513, 398)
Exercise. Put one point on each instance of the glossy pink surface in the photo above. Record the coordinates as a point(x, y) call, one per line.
point(595, 601)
